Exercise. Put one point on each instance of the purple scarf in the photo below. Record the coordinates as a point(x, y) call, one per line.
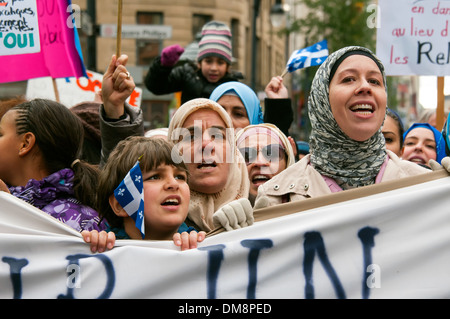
point(54, 195)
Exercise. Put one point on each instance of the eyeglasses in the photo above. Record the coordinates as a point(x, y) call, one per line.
point(271, 152)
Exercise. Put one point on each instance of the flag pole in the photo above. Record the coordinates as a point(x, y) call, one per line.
point(55, 89)
point(284, 72)
point(119, 29)
point(440, 103)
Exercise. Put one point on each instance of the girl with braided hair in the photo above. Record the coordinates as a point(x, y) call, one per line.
point(40, 145)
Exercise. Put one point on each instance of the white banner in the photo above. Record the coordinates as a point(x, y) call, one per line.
point(74, 90)
point(394, 244)
point(414, 37)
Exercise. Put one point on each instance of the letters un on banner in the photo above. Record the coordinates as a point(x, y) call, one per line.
point(413, 38)
point(395, 244)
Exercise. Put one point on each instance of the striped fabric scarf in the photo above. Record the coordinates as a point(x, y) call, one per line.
point(350, 163)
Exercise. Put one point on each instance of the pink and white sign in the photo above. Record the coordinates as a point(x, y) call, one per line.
point(19, 29)
point(38, 39)
point(414, 37)
point(74, 90)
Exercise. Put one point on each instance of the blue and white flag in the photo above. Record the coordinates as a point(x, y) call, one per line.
point(130, 195)
point(309, 56)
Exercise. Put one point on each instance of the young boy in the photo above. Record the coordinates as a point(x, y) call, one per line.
point(166, 195)
point(194, 81)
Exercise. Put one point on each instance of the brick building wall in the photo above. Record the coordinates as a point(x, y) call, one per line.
point(182, 15)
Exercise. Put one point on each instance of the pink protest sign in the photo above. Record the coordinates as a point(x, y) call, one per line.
point(24, 54)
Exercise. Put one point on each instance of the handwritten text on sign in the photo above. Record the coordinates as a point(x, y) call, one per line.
point(19, 31)
point(57, 45)
point(414, 37)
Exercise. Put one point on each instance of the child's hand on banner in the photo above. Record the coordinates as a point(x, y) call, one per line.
point(99, 241)
point(187, 240)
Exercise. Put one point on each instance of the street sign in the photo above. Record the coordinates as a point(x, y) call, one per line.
point(137, 31)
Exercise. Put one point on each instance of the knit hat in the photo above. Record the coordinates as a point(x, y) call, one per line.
point(215, 41)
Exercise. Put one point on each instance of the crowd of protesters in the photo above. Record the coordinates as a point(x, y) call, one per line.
point(220, 158)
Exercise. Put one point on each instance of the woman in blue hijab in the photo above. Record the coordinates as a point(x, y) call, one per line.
point(240, 102)
point(420, 148)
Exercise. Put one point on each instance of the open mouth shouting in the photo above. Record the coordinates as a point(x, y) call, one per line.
point(171, 202)
point(418, 160)
point(207, 165)
point(259, 179)
point(362, 109)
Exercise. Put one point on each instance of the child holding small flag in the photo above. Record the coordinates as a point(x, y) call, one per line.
point(158, 209)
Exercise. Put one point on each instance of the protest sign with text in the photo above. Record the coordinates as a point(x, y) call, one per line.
point(38, 39)
point(413, 37)
point(19, 29)
point(74, 90)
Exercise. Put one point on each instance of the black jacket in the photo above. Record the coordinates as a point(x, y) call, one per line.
point(279, 112)
point(186, 78)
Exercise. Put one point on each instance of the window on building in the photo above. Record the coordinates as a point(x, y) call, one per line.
point(155, 113)
point(198, 21)
point(235, 37)
point(148, 50)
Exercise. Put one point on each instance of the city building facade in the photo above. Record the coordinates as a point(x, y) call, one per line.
point(184, 19)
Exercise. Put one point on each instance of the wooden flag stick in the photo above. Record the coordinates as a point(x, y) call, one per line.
point(440, 103)
point(284, 72)
point(119, 29)
point(55, 89)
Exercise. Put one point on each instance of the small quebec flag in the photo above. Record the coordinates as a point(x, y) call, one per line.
point(130, 195)
point(310, 56)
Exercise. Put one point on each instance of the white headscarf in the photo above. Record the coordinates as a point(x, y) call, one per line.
point(202, 206)
point(157, 132)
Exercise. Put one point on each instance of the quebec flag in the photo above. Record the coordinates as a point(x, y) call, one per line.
point(130, 195)
point(310, 56)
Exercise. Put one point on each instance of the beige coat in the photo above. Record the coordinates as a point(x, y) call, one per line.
point(301, 181)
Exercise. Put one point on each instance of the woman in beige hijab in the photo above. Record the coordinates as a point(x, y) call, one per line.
point(204, 132)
